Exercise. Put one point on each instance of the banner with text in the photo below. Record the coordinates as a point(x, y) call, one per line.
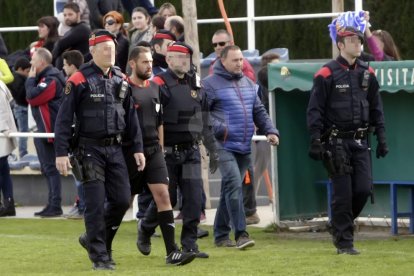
point(393, 76)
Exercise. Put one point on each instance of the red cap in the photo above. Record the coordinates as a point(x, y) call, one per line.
point(163, 36)
point(178, 48)
point(100, 36)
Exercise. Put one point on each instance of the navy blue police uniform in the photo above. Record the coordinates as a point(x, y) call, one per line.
point(185, 124)
point(103, 110)
point(344, 103)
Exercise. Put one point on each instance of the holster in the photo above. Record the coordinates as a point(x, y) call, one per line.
point(77, 169)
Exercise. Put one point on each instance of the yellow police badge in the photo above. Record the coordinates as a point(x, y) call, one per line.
point(194, 94)
point(68, 88)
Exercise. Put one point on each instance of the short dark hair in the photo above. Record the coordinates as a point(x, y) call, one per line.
point(174, 23)
point(158, 21)
point(73, 57)
point(138, 50)
point(267, 58)
point(73, 6)
point(22, 63)
point(227, 49)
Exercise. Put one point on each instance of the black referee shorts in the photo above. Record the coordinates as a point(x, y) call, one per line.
point(155, 171)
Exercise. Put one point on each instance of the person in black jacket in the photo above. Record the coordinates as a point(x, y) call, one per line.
point(344, 102)
point(99, 97)
point(75, 39)
point(18, 90)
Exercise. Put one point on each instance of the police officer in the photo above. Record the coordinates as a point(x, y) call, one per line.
point(146, 96)
point(99, 98)
point(185, 123)
point(344, 103)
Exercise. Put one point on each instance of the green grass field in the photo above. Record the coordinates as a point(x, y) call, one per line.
point(50, 247)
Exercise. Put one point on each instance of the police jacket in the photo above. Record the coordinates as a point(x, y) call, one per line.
point(101, 111)
point(185, 111)
point(346, 97)
point(44, 94)
point(149, 109)
point(235, 109)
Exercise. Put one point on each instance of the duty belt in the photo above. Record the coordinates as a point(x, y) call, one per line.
point(104, 142)
point(180, 147)
point(360, 133)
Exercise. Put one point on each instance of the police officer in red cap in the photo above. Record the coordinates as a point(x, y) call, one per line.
point(98, 97)
point(185, 124)
point(344, 103)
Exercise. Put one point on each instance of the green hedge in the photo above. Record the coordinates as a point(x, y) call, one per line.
point(306, 39)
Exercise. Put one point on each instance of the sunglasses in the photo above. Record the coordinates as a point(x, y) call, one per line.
point(223, 43)
point(110, 22)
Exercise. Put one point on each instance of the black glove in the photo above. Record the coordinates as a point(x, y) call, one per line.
point(316, 150)
point(382, 150)
point(214, 158)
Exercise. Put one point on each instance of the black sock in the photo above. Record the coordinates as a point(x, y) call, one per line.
point(166, 221)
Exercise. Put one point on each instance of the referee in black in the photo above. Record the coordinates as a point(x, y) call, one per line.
point(146, 96)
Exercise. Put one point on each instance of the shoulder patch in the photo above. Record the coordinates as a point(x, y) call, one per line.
point(324, 72)
point(68, 87)
point(371, 70)
point(158, 80)
point(77, 78)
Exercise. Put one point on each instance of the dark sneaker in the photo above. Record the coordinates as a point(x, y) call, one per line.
point(52, 212)
point(225, 243)
point(110, 260)
point(199, 254)
point(253, 219)
point(201, 233)
point(244, 242)
point(100, 265)
point(178, 257)
point(349, 251)
point(37, 214)
point(143, 241)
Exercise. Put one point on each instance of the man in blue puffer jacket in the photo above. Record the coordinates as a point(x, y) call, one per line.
point(235, 109)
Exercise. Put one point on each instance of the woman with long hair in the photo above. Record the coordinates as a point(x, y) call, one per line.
point(48, 33)
point(113, 22)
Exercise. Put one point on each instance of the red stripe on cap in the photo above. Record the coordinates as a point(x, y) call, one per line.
point(163, 36)
point(98, 39)
point(178, 48)
point(346, 33)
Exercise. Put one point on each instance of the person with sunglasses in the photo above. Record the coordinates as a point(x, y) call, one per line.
point(221, 39)
point(114, 23)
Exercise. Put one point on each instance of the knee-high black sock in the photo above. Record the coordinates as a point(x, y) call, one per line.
point(166, 221)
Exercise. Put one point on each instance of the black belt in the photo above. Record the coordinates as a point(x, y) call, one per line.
point(360, 133)
point(103, 142)
point(181, 147)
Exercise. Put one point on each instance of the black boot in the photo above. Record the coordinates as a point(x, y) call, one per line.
point(8, 208)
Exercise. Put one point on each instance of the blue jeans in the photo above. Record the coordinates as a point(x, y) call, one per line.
point(20, 113)
point(81, 196)
point(230, 211)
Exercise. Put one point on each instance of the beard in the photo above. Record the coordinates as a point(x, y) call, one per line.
point(143, 76)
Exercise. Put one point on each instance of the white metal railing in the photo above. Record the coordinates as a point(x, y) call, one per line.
point(250, 19)
point(52, 135)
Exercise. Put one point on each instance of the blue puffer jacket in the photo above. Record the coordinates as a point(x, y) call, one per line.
point(235, 109)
